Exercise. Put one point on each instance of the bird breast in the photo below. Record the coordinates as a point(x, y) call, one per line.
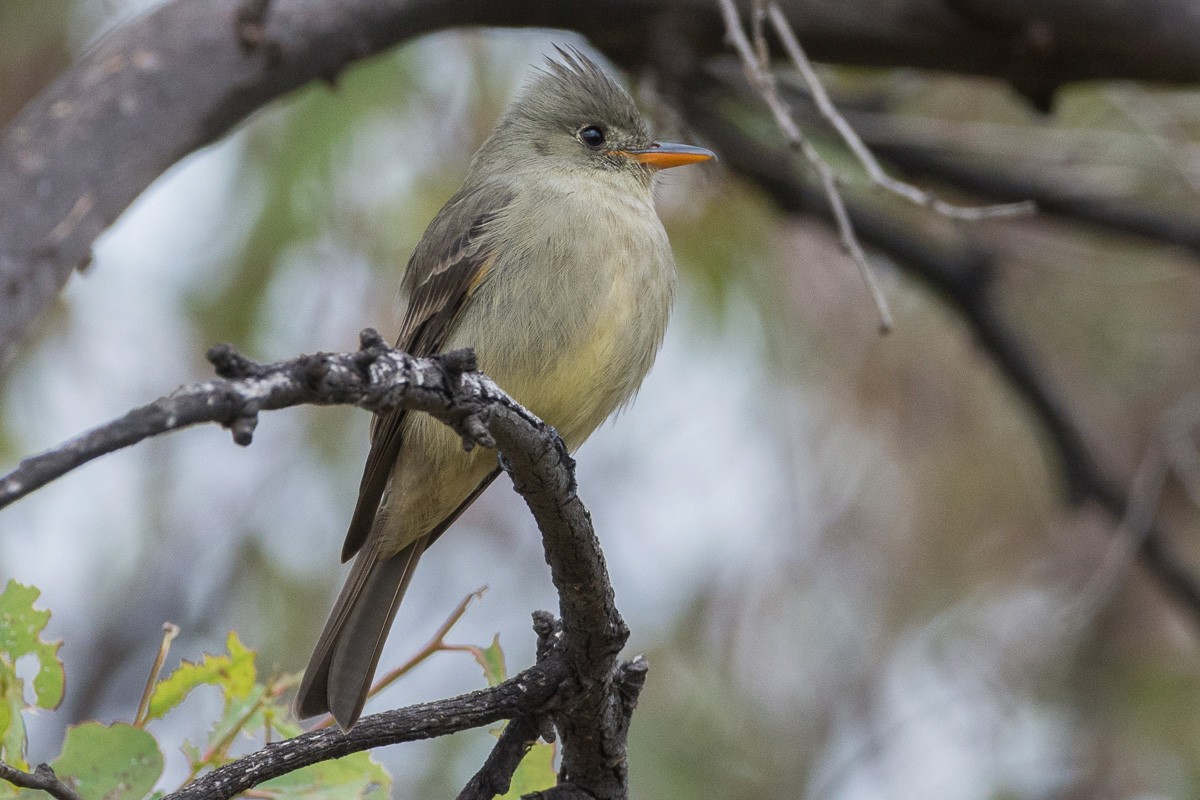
point(570, 318)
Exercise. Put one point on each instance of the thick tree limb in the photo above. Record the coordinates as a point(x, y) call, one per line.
point(578, 682)
point(186, 73)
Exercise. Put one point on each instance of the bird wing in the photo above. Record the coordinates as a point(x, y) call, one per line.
point(453, 260)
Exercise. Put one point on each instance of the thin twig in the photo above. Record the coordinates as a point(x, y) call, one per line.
point(170, 631)
point(42, 778)
point(875, 171)
point(764, 83)
point(531, 688)
point(435, 643)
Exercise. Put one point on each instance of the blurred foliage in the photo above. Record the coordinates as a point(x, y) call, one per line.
point(123, 761)
point(911, 626)
point(291, 161)
point(33, 49)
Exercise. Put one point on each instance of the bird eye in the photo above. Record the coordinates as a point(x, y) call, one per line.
point(592, 136)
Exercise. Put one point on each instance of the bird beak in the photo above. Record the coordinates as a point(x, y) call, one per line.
point(664, 155)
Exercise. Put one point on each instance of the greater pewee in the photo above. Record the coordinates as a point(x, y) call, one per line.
point(551, 262)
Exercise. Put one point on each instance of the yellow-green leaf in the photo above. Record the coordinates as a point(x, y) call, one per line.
point(535, 773)
point(12, 726)
point(233, 673)
point(491, 658)
point(113, 762)
point(21, 626)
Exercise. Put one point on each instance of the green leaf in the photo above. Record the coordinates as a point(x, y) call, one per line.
point(354, 776)
point(21, 626)
point(535, 773)
point(117, 762)
point(240, 714)
point(491, 658)
point(12, 726)
point(233, 673)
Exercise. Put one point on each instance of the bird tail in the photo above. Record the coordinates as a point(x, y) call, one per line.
point(343, 663)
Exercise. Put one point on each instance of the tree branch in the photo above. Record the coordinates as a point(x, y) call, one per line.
point(577, 659)
point(528, 690)
point(184, 74)
point(495, 776)
point(963, 278)
point(377, 377)
point(42, 779)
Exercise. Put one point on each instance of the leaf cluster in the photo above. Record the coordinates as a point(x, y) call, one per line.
point(124, 760)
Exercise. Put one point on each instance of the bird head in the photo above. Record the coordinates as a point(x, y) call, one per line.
point(575, 116)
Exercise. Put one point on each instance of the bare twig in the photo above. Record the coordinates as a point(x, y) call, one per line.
point(42, 779)
point(435, 644)
point(377, 377)
point(170, 631)
point(877, 174)
point(962, 278)
point(764, 83)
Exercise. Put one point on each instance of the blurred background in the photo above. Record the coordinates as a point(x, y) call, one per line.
point(848, 557)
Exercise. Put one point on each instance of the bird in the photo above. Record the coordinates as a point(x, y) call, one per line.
point(552, 263)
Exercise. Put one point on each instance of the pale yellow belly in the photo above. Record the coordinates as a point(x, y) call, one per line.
point(571, 346)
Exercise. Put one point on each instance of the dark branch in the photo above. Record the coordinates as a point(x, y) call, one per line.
point(376, 378)
point(183, 75)
point(1160, 224)
point(577, 658)
point(963, 278)
point(529, 690)
point(495, 776)
point(42, 779)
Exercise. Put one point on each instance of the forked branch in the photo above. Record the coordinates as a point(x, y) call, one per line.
point(578, 685)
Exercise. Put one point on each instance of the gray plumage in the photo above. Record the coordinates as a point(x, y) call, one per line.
point(551, 262)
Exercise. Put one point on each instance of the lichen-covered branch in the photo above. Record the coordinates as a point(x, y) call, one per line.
point(577, 683)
